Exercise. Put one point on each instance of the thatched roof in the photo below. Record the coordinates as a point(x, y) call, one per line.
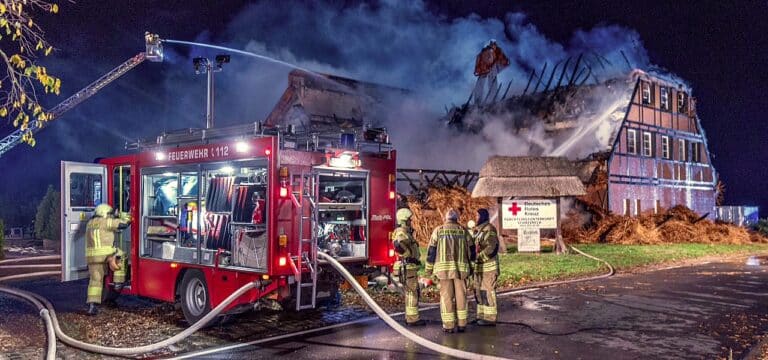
point(503, 176)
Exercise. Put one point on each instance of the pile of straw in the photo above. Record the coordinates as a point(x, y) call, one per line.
point(677, 225)
point(428, 213)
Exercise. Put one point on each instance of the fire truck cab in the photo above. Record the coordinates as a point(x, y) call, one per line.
point(215, 209)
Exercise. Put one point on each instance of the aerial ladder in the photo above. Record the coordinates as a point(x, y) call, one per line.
point(153, 53)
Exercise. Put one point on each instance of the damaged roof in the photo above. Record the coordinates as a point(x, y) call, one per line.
point(529, 176)
point(315, 101)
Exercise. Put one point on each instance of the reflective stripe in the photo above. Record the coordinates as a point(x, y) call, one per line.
point(487, 267)
point(104, 251)
point(448, 316)
point(411, 310)
point(490, 310)
point(429, 267)
point(462, 314)
point(94, 290)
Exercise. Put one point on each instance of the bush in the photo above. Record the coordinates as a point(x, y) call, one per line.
point(762, 227)
point(48, 217)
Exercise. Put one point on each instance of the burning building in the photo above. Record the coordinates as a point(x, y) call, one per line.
point(637, 140)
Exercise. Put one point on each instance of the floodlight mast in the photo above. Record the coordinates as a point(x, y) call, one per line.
point(202, 64)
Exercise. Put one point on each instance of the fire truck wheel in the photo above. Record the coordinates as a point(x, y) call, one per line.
point(195, 300)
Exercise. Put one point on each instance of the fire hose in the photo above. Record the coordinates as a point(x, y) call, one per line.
point(611, 272)
point(53, 330)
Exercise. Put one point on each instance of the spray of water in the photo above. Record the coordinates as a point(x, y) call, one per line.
point(237, 51)
point(587, 129)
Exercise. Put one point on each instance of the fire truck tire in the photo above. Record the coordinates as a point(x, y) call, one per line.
point(195, 298)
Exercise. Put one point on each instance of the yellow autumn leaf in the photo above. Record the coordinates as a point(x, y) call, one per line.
point(3, 112)
point(23, 98)
point(54, 8)
point(48, 50)
point(39, 45)
point(3, 9)
point(29, 23)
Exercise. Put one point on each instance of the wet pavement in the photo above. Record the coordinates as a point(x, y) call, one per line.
point(697, 312)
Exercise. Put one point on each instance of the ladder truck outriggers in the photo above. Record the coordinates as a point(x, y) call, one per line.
point(217, 208)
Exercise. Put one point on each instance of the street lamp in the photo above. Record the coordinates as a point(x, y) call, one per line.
point(204, 65)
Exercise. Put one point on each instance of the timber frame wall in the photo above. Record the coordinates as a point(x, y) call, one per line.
point(660, 157)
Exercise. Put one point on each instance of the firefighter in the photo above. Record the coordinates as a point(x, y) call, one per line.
point(408, 267)
point(449, 259)
point(99, 250)
point(488, 63)
point(486, 269)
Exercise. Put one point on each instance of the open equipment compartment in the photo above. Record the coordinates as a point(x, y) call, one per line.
point(342, 221)
point(200, 213)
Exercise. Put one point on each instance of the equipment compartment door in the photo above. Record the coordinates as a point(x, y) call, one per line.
point(83, 186)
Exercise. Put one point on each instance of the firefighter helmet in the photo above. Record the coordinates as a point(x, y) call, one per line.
point(103, 210)
point(403, 215)
point(471, 224)
point(452, 215)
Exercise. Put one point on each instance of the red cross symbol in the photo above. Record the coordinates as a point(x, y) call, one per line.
point(514, 209)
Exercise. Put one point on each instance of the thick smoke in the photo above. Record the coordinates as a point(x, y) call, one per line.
point(402, 44)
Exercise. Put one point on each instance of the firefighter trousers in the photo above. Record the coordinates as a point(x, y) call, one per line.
point(453, 303)
point(97, 268)
point(412, 293)
point(485, 287)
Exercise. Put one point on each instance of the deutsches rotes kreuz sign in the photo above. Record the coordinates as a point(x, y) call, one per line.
point(541, 214)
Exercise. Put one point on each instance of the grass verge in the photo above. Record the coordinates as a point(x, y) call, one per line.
point(518, 268)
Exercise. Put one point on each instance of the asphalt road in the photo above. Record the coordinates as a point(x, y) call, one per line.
point(698, 312)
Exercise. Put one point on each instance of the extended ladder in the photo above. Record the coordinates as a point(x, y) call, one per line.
point(306, 257)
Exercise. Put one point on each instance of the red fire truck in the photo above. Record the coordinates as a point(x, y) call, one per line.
point(217, 208)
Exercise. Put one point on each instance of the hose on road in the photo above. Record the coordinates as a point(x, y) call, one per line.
point(394, 324)
point(47, 308)
point(611, 272)
point(34, 258)
point(53, 330)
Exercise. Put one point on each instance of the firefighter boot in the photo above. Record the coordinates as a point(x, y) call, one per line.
point(92, 309)
point(419, 322)
point(482, 322)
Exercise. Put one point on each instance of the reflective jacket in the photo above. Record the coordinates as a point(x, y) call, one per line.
point(451, 252)
point(407, 248)
point(487, 244)
point(100, 236)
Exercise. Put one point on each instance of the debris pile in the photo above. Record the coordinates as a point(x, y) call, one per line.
point(428, 213)
point(676, 225)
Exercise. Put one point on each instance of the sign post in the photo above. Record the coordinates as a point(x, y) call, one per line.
point(528, 217)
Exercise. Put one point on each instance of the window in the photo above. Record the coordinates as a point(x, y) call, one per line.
point(664, 103)
point(681, 150)
point(121, 178)
point(637, 207)
point(695, 152)
point(84, 190)
point(665, 147)
point(647, 144)
point(682, 102)
point(657, 206)
point(626, 207)
point(631, 141)
point(647, 93)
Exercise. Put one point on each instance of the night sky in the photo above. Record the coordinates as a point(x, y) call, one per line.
point(721, 49)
